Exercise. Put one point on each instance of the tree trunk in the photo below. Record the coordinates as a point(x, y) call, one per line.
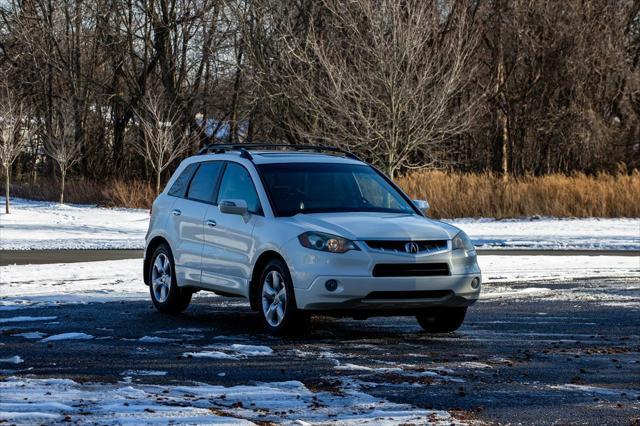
point(390, 172)
point(158, 182)
point(7, 183)
point(503, 120)
point(504, 135)
point(63, 175)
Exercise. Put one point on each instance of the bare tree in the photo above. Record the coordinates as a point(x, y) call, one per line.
point(162, 142)
point(384, 78)
point(15, 131)
point(63, 146)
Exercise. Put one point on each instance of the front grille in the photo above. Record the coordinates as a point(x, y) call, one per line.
point(427, 294)
point(410, 269)
point(397, 246)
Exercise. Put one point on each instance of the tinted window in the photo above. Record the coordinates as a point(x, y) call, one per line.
point(204, 182)
point(313, 187)
point(179, 187)
point(237, 185)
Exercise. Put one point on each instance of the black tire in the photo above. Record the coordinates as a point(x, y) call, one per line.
point(443, 320)
point(293, 321)
point(177, 298)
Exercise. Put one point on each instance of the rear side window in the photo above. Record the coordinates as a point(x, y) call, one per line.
point(203, 184)
point(179, 187)
point(237, 185)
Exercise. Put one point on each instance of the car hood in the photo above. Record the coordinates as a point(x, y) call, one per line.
point(376, 226)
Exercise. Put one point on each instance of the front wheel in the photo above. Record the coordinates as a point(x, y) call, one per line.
point(278, 310)
point(167, 297)
point(442, 320)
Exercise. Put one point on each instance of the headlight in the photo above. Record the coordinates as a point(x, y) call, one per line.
point(462, 242)
point(326, 242)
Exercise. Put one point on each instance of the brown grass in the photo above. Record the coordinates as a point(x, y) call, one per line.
point(115, 193)
point(454, 195)
point(451, 195)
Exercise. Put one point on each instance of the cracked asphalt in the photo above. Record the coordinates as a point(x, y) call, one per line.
point(513, 361)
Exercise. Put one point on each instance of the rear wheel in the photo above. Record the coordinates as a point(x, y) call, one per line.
point(278, 309)
point(442, 320)
point(167, 297)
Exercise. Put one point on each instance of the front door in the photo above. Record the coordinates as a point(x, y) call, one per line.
point(229, 244)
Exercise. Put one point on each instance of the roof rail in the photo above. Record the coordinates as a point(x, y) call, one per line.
point(246, 147)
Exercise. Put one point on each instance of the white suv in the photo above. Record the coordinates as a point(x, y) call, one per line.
point(304, 230)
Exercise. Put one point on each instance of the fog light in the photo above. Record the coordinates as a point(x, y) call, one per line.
point(475, 283)
point(331, 285)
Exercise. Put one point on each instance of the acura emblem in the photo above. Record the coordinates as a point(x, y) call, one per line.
point(411, 248)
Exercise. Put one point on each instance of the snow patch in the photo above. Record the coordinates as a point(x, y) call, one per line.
point(240, 350)
point(496, 268)
point(82, 282)
point(31, 335)
point(155, 339)
point(41, 400)
point(209, 354)
point(143, 373)
point(13, 360)
point(68, 336)
point(24, 318)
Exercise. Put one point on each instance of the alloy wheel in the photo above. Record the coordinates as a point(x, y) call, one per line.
point(274, 298)
point(161, 278)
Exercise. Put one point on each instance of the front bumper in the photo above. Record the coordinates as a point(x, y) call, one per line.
point(358, 290)
point(371, 294)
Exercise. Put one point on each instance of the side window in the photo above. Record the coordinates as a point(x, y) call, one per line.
point(204, 182)
point(179, 187)
point(237, 185)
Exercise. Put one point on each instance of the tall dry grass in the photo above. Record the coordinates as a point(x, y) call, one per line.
point(454, 195)
point(451, 195)
point(114, 193)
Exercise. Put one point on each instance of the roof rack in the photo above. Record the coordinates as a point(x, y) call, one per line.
point(246, 147)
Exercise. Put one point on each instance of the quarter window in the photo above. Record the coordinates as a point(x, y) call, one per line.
point(179, 187)
point(237, 185)
point(203, 184)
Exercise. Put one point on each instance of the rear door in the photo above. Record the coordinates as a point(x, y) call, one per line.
point(187, 219)
point(229, 243)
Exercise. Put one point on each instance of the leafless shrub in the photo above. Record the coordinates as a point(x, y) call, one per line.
point(16, 129)
point(63, 146)
point(162, 143)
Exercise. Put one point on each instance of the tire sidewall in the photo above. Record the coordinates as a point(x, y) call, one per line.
point(291, 313)
point(173, 289)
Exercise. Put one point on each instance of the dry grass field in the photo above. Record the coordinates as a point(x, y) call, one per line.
point(454, 195)
point(451, 195)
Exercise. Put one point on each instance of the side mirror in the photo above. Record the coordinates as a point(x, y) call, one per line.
point(422, 205)
point(238, 207)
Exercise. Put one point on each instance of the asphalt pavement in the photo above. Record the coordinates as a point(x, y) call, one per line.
point(513, 361)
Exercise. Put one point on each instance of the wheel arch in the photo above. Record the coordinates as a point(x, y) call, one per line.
point(151, 247)
point(254, 285)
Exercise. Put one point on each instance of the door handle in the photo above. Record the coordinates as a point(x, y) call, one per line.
point(176, 212)
point(211, 223)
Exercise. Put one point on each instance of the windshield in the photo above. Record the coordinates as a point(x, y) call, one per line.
point(320, 187)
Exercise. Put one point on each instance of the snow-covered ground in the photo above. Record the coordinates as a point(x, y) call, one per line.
point(37, 401)
point(40, 225)
point(553, 233)
point(116, 280)
point(46, 225)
